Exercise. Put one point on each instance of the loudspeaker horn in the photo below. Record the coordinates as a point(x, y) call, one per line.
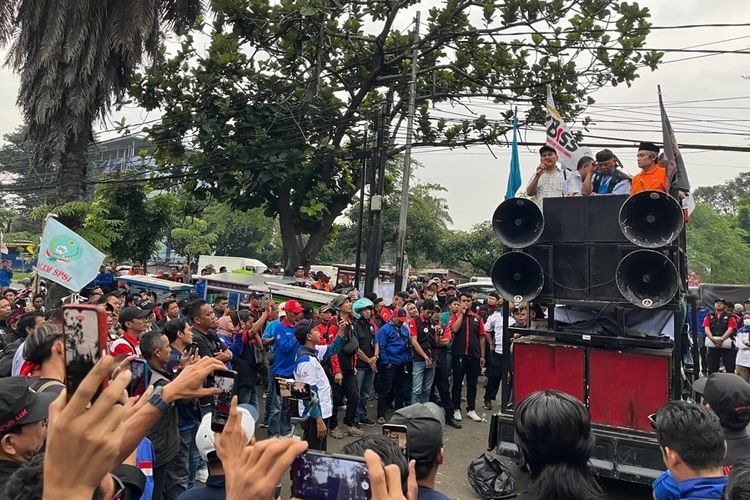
point(647, 278)
point(517, 277)
point(651, 219)
point(518, 222)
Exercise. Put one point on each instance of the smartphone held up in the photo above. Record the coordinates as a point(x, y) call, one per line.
point(224, 381)
point(85, 334)
point(320, 476)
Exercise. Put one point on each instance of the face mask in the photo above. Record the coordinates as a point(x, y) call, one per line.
point(746, 322)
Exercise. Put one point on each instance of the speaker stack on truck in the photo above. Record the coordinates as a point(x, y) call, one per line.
point(615, 253)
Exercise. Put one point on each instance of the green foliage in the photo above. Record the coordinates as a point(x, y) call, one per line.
point(724, 197)
point(285, 88)
point(75, 57)
point(715, 249)
point(478, 247)
point(96, 225)
point(193, 237)
point(145, 216)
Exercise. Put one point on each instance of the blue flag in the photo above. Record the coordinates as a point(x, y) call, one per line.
point(66, 258)
point(514, 175)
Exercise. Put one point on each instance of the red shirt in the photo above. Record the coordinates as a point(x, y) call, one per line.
point(328, 334)
point(125, 345)
point(732, 323)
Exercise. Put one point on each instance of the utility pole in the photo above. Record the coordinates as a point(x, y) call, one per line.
point(372, 269)
point(362, 175)
point(400, 271)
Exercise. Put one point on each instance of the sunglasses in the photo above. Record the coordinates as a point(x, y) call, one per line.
point(652, 420)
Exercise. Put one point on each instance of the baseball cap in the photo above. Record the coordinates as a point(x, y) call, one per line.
point(205, 437)
point(720, 299)
point(131, 313)
point(494, 294)
point(302, 328)
point(20, 405)
point(293, 306)
point(338, 302)
point(400, 314)
point(282, 310)
point(424, 429)
point(146, 305)
point(729, 397)
point(326, 308)
point(545, 148)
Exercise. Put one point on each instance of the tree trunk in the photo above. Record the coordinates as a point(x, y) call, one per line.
point(71, 176)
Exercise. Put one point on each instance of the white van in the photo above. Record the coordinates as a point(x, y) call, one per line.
point(231, 263)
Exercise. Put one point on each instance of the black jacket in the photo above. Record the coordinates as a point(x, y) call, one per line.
point(165, 434)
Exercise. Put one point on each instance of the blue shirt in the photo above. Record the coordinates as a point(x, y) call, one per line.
point(666, 487)
point(285, 347)
point(144, 460)
point(214, 490)
point(6, 275)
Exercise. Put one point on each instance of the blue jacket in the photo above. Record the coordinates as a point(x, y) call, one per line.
point(6, 275)
point(104, 280)
point(394, 345)
point(285, 347)
point(666, 487)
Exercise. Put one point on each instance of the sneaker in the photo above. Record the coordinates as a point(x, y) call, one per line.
point(473, 415)
point(381, 421)
point(366, 421)
point(455, 424)
point(355, 432)
point(488, 405)
point(457, 415)
point(201, 475)
point(338, 433)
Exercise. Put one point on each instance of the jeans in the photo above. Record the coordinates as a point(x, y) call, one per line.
point(421, 378)
point(364, 386)
point(464, 366)
point(349, 388)
point(494, 374)
point(187, 444)
point(279, 420)
point(248, 395)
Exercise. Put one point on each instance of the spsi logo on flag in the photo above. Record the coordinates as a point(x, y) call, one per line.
point(66, 258)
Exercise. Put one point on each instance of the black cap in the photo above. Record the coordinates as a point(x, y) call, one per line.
point(131, 313)
point(729, 397)
point(649, 146)
point(424, 429)
point(546, 148)
point(493, 293)
point(605, 155)
point(720, 299)
point(146, 305)
point(302, 328)
point(19, 405)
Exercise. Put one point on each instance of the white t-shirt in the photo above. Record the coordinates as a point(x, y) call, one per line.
point(494, 324)
point(743, 352)
point(554, 184)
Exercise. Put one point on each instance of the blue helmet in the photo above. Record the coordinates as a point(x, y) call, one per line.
point(359, 305)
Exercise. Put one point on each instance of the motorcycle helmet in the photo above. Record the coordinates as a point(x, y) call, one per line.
point(360, 305)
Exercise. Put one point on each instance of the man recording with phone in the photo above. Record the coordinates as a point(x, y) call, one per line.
point(309, 369)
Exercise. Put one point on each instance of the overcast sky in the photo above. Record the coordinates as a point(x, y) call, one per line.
point(476, 181)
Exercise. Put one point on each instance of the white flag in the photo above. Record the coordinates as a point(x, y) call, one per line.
point(561, 139)
point(3, 246)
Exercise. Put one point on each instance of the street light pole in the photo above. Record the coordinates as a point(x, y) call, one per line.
point(400, 271)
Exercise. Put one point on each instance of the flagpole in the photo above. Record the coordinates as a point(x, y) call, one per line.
point(37, 280)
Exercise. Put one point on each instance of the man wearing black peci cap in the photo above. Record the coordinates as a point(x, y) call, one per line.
point(728, 396)
point(652, 177)
point(608, 178)
point(23, 424)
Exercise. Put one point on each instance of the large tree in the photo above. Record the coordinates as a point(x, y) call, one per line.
point(75, 58)
point(264, 117)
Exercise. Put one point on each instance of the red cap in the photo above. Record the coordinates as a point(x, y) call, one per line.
point(293, 306)
point(400, 314)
